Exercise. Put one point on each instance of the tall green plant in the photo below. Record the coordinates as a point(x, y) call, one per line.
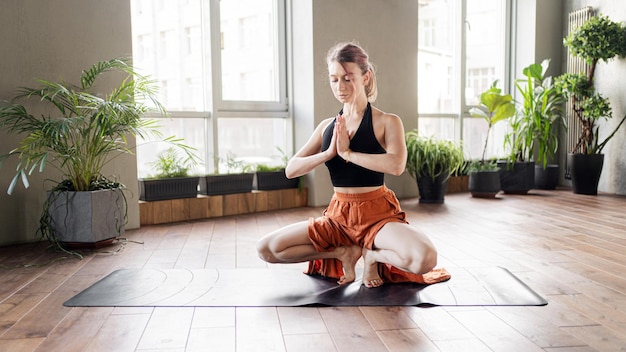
point(538, 117)
point(494, 107)
point(432, 157)
point(598, 39)
point(82, 129)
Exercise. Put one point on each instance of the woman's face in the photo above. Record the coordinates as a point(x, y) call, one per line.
point(346, 81)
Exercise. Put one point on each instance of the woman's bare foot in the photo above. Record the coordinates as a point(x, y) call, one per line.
point(371, 278)
point(348, 258)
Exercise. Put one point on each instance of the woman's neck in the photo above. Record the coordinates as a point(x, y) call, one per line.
point(356, 109)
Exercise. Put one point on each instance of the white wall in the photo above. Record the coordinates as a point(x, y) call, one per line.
point(55, 40)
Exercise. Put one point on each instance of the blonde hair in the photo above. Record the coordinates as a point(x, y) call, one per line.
point(352, 52)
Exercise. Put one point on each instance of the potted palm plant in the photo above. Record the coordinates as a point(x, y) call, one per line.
point(430, 162)
point(484, 174)
point(172, 179)
point(598, 39)
point(535, 128)
point(81, 132)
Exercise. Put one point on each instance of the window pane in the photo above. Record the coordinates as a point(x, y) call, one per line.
point(251, 140)
point(485, 47)
point(475, 134)
point(438, 127)
point(167, 46)
point(249, 52)
point(435, 57)
point(191, 129)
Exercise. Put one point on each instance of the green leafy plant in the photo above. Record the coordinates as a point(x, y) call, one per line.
point(170, 163)
point(262, 167)
point(494, 107)
point(538, 118)
point(428, 156)
point(83, 130)
point(233, 165)
point(598, 39)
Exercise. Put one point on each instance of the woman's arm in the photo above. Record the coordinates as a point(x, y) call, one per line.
point(310, 155)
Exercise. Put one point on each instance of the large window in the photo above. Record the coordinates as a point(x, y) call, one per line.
point(461, 51)
point(220, 67)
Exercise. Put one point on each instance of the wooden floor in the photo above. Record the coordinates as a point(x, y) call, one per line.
point(569, 248)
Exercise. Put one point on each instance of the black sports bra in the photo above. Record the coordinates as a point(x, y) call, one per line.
point(343, 174)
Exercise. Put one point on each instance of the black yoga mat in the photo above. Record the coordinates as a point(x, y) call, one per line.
point(493, 286)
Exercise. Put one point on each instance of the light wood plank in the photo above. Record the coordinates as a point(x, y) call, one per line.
point(258, 329)
point(408, 340)
point(350, 330)
point(120, 332)
point(168, 328)
point(80, 326)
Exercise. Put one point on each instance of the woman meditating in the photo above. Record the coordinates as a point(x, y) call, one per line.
point(364, 219)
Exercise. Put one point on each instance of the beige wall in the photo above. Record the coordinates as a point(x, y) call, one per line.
point(55, 40)
point(387, 30)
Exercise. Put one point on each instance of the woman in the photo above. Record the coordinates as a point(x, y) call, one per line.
point(364, 218)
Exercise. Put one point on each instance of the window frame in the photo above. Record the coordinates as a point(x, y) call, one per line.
point(215, 108)
point(222, 107)
point(460, 67)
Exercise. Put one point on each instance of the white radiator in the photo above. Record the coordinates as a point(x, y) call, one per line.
point(575, 65)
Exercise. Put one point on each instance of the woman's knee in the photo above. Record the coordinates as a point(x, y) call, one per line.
point(421, 261)
point(430, 259)
point(263, 248)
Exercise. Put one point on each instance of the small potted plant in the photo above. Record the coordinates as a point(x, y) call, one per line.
point(484, 174)
point(598, 39)
point(431, 162)
point(172, 179)
point(271, 177)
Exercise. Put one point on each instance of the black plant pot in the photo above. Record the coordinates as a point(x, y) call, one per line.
point(432, 190)
point(547, 178)
point(585, 170)
point(484, 184)
point(168, 188)
point(271, 180)
point(517, 178)
point(226, 184)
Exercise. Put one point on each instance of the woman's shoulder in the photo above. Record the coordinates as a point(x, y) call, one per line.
point(378, 114)
point(325, 122)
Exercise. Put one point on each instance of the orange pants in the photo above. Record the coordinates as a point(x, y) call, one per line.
point(355, 219)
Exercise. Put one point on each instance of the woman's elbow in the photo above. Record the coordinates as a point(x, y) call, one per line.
point(397, 169)
point(289, 173)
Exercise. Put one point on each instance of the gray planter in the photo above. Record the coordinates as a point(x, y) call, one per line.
point(86, 219)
